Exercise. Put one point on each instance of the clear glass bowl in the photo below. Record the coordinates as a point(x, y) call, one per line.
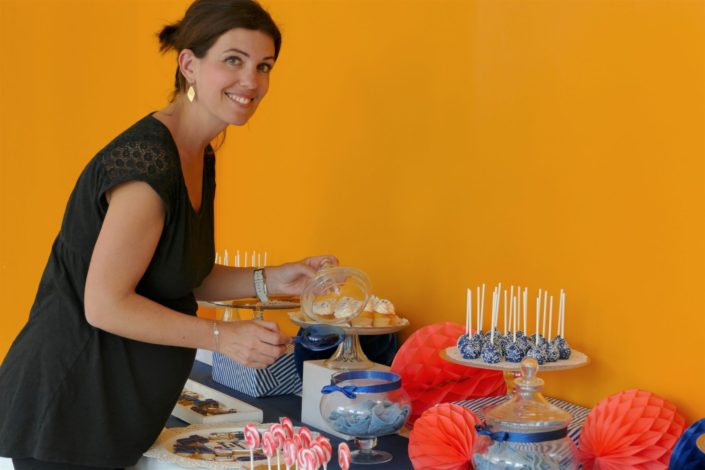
point(526, 432)
point(335, 294)
point(365, 404)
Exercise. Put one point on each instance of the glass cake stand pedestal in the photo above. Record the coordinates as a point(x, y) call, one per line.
point(349, 355)
point(511, 370)
point(257, 306)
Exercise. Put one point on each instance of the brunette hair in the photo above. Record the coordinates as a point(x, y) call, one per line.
point(206, 20)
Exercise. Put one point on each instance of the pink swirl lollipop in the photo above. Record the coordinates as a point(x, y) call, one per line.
point(279, 434)
point(252, 441)
point(269, 447)
point(319, 453)
point(290, 452)
point(324, 444)
point(306, 436)
point(344, 456)
point(306, 460)
point(288, 426)
point(251, 436)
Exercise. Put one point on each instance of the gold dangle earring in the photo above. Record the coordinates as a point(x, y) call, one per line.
point(191, 93)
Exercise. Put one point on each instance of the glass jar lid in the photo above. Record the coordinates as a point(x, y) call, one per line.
point(335, 294)
point(527, 411)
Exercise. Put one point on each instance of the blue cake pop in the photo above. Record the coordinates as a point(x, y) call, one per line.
point(491, 353)
point(462, 340)
point(478, 339)
point(552, 353)
point(514, 353)
point(537, 353)
point(470, 350)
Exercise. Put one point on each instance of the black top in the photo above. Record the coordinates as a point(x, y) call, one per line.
point(70, 392)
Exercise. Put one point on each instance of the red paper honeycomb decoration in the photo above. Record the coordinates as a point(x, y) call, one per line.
point(430, 380)
point(631, 429)
point(442, 438)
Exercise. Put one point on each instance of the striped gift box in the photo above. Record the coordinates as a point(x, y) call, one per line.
point(280, 378)
point(578, 412)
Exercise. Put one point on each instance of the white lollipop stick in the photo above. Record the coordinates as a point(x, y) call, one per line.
point(550, 318)
point(482, 309)
point(545, 304)
point(237, 258)
point(526, 295)
point(505, 311)
point(468, 313)
point(265, 258)
point(538, 315)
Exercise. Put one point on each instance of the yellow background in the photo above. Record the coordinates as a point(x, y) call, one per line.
point(434, 144)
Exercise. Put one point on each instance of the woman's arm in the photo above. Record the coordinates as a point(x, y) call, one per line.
point(126, 243)
point(225, 283)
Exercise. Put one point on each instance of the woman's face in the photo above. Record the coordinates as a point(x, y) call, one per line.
point(233, 77)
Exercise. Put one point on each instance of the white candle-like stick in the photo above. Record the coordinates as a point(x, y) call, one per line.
point(482, 308)
point(253, 259)
point(225, 258)
point(237, 258)
point(563, 322)
point(265, 258)
point(538, 315)
point(246, 258)
point(526, 295)
point(550, 318)
point(505, 312)
point(560, 315)
point(545, 304)
point(477, 311)
point(259, 265)
point(468, 313)
point(515, 302)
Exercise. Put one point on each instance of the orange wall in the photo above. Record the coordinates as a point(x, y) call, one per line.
point(435, 144)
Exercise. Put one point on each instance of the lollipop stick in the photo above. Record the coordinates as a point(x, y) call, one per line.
point(538, 315)
point(545, 295)
point(550, 317)
point(505, 312)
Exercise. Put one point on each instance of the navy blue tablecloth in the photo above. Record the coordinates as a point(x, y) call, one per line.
point(290, 405)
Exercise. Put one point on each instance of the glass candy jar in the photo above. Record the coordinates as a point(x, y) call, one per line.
point(336, 294)
point(526, 432)
point(365, 404)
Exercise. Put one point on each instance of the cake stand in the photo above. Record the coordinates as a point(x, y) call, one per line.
point(257, 306)
point(511, 370)
point(349, 355)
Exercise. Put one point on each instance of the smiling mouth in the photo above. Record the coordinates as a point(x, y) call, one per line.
point(239, 99)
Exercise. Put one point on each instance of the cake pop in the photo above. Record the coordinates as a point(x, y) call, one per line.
point(470, 351)
point(537, 353)
point(514, 353)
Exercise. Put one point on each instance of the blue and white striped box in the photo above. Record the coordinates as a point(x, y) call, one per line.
point(279, 378)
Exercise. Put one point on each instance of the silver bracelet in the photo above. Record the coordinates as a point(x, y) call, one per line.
point(216, 335)
point(260, 285)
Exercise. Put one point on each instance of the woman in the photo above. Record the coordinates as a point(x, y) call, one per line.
point(92, 377)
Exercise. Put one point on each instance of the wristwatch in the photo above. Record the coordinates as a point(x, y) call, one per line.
point(261, 285)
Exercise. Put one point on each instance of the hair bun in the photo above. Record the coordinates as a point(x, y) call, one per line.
point(167, 37)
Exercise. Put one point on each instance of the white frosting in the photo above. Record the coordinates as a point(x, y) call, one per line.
point(384, 306)
point(371, 303)
point(346, 307)
point(324, 307)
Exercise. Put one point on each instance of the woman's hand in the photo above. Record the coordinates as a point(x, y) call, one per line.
point(254, 343)
point(290, 278)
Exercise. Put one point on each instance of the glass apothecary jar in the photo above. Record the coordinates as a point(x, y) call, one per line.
point(365, 404)
point(526, 432)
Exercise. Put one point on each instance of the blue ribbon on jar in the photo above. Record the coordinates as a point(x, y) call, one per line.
point(392, 382)
point(523, 437)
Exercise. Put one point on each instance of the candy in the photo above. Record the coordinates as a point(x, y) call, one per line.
point(291, 451)
point(306, 437)
point(269, 445)
point(252, 440)
point(288, 426)
point(491, 354)
point(306, 460)
point(537, 353)
point(319, 453)
point(343, 456)
point(514, 353)
point(252, 436)
point(564, 350)
point(327, 448)
point(470, 351)
point(552, 354)
point(369, 418)
point(462, 341)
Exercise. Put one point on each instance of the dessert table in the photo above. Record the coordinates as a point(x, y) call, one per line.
point(289, 405)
